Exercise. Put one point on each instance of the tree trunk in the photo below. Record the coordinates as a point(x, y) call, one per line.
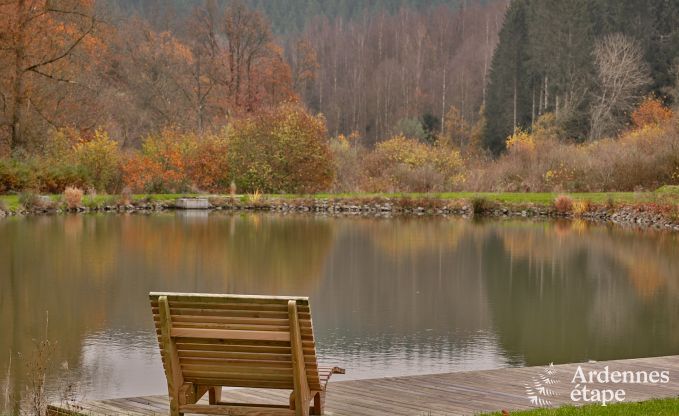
point(515, 92)
point(19, 98)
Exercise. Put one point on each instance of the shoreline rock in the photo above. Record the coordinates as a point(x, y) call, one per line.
point(640, 215)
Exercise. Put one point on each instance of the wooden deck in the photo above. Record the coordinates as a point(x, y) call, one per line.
point(464, 393)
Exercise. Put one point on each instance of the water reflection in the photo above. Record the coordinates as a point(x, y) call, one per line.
point(390, 297)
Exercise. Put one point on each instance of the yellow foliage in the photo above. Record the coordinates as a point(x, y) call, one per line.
point(580, 207)
point(404, 164)
point(546, 127)
point(648, 132)
point(521, 141)
point(100, 158)
point(560, 175)
point(400, 149)
point(346, 141)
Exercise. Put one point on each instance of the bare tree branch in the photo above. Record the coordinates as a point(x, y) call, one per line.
point(622, 76)
point(66, 52)
point(52, 76)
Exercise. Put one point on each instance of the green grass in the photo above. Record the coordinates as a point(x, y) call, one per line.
point(650, 407)
point(12, 201)
point(543, 198)
point(9, 201)
point(666, 194)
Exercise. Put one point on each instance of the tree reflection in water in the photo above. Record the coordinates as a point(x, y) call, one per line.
point(390, 296)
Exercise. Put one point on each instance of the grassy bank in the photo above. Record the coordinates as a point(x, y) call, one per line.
point(660, 407)
point(542, 198)
point(665, 195)
point(12, 202)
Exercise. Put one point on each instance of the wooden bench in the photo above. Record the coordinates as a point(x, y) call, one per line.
point(212, 341)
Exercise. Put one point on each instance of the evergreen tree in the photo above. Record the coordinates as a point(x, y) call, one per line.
point(546, 50)
point(508, 104)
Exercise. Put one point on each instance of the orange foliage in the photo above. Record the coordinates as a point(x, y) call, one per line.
point(563, 204)
point(176, 162)
point(208, 164)
point(139, 172)
point(160, 167)
point(651, 112)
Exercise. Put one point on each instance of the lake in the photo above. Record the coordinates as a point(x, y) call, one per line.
point(389, 297)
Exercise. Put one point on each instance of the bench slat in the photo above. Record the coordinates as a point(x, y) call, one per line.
point(230, 334)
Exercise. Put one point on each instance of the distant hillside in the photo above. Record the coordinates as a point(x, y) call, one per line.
point(287, 16)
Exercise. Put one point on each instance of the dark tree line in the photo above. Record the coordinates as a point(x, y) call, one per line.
point(565, 57)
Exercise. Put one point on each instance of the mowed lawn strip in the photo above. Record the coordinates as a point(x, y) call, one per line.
point(12, 202)
point(650, 407)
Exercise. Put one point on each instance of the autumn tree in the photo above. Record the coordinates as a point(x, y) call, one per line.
point(236, 64)
point(249, 48)
point(150, 81)
point(457, 130)
point(622, 76)
point(304, 62)
point(221, 64)
point(39, 41)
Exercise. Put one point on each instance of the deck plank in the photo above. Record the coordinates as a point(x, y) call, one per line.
point(463, 393)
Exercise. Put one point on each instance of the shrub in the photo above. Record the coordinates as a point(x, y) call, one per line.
point(521, 142)
point(281, 150)
point(563, 204)
point(481, 205)
point(73, 197)
point(650, 112)
point(348, 156)
point(100, 160)
point(30, 200)
point(411, 128)
point(402, 164)
point(16, 176)
point(161, 165)
point(54, 177)
point(255, 197)
point(207, 164)
point(581, 207)
point(644, 158)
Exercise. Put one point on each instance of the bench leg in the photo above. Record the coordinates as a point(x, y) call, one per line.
point(319, 403)
point(215, 395)
point(174, 410)
point(315, 409)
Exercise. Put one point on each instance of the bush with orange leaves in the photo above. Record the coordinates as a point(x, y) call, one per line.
point(175, 162)
point(651, 112)
point(160, 166)
point(563, 204)
point(208, 162)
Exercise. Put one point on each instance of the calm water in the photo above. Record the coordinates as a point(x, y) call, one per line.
point(389, 296)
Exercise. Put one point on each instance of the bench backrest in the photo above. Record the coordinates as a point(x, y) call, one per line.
point(234, 340)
